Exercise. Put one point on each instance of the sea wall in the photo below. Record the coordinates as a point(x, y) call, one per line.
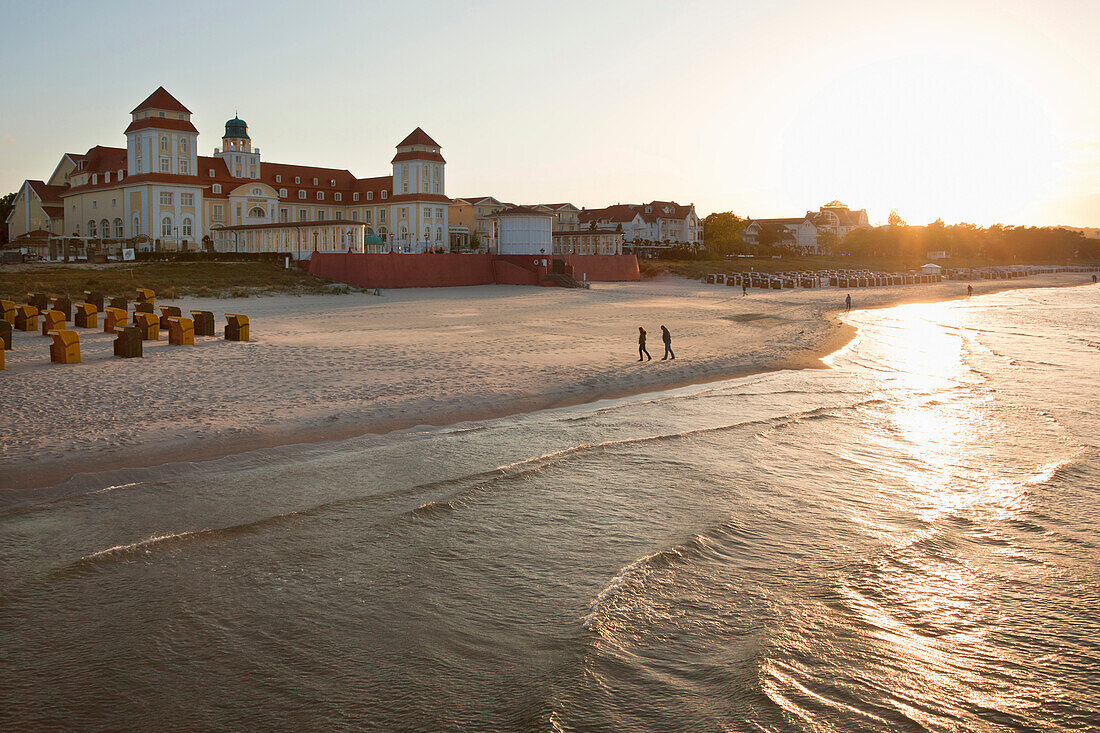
point(450, 270)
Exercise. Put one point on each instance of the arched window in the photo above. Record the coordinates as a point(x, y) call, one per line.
point(166, 226)
point(187, 226)
point(91, 228)
point(136, 231)
point(105, 229)
point(439, 234)
point(118, 228)
point(256, 212)
point(164, 143)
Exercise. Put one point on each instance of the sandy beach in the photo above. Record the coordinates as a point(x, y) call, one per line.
point(332, 366)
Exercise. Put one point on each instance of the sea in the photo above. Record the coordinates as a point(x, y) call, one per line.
point(907, 539)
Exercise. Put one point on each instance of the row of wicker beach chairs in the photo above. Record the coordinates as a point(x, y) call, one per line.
point(145, 326)
point(819, 279)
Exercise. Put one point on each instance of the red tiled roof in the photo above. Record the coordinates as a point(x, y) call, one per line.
point(45, 193)
point(35, 234)
point(786, 222)
point(418, 155)
point(161, 123)
point(617, 213)
point(161, 99)
point(418, 137)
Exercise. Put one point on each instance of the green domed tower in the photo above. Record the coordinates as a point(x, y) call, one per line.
point(236, 135)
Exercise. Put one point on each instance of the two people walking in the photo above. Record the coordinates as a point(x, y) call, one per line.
point(643, 353)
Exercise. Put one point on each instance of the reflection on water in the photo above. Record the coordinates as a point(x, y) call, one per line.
point(905, 541)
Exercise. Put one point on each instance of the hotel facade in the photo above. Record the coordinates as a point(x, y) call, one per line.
point(159, 193)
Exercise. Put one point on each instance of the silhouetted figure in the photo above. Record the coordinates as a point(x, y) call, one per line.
point(847, 302)
point(1094, 278)
point(969, 290)
point(667, 338)
point(744, 289)
point(641, 345)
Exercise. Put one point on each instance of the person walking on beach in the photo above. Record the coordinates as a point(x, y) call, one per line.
point(744, 289)
point(969, 290)
point(847, 302)
point(641, 345)
point(667, 338)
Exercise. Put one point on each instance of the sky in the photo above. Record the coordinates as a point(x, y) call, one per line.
point(969, 110)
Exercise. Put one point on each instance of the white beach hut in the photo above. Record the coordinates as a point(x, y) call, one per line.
point(931, 269)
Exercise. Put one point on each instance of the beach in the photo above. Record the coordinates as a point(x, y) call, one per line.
point(328, 367)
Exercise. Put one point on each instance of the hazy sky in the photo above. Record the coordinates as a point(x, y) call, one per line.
point(969, 110)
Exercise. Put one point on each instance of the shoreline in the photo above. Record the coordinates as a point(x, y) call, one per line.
point(830, 336)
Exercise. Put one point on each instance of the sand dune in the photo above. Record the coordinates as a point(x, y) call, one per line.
point(326, 367)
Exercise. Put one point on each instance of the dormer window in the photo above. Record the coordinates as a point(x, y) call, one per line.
point(355, 196)
point(217, 188)
point(337, 196)
point(314, 181)
point(297, 179)
point(278, 179)
point(370, 195)
point(95, 179)
point(301, 194)
point(332, 182)
point(383, 194)
point(320, 195)
point(107, 177)
point(282, 193)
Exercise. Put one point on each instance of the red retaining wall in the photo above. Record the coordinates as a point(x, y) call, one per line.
point(604, 268)
point(449, 270)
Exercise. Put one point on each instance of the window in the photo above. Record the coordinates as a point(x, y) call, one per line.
point(439, 213)
point(320, 195)
point(355, 196)
point(302, 214)
point(95, 204)
point(366, 216)
point(185, 167)
point(381, 216)
point(297, 179)
point(301, 194)
point(218, 212)
point(165, 166)
point(217, 188)
point(332, 182)
point(187, 199)
point(186, 227)
point(383, 194)
point(278, 179)
point(354, 215)
point(211, 172)
point(166, 226)
point(256, 212)
point(91, 228)
point(107, 177)
point(338, 216)
point(118, 228)
point(370, 195)
point(138, 164)
point(238, 211)
point(284, 215)
point(164, 143)
point(320, 215)
point(105, 228)
point(314, 181)
point(114, 203)
point(166, 198)
point(337, 196)
point(95, 179)
point(282, 193)
point(257, 192)
point(404, 186)
point(183, 144)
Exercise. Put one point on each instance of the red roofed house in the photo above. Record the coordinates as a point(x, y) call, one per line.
point(652, 226)
point(160, 192)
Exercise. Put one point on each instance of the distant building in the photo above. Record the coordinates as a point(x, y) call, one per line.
point(838, 218)
point(800, 234)
point(566, 216)
point(522, 230)
point(472, 216)
point(796, 234)
point(588, 242)
point(158, 192)
point(656, 225)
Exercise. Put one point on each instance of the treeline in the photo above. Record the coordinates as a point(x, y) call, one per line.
point(998, 243)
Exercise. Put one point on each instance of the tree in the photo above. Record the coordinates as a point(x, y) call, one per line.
point(7, 203)
point(827, 241)
point(895, 219)
point(592, 225)
point(722, 233)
